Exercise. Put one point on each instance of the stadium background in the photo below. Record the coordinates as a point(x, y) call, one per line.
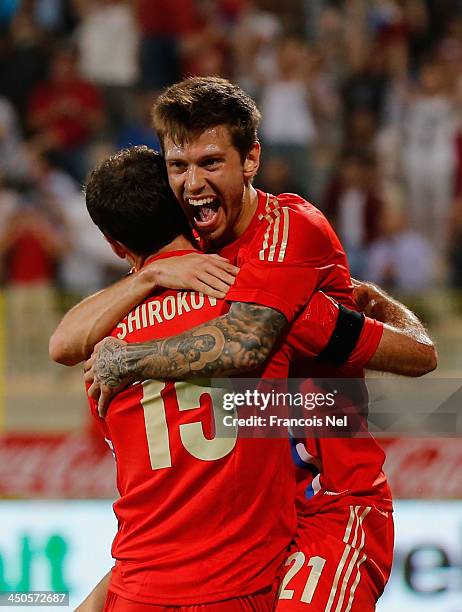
point(361, 103)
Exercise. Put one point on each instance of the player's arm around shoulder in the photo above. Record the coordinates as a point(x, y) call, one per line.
point(238, 342)
point(405, 347)
point(95, 317)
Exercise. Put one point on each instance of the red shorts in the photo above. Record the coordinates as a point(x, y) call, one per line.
point(258, 602)
point(340, 561)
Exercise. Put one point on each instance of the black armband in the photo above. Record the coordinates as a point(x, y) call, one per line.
point(344, 337)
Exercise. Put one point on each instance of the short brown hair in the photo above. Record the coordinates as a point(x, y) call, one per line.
point(128, 197)
point(196, 104)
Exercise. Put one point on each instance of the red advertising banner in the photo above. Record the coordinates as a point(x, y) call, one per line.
point(81, 466)
point(66, 466)
point(424, 468)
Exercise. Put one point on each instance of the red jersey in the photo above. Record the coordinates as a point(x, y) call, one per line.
point(346, 469)
point(288, 252)
point(202, 517)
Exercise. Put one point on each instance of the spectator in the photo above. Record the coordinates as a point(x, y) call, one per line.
point(162, 23)
point(420, 31)
point(401, 259)
point(366, 86)
point(205, 48)
point(354, 207)
point(112, 67)
point(430, 154)
point(90, 264)
point(253, 45)
point(30, 247)
point(327, 115)
point(86, 263)
point(13, 161)
point(139, 130)
point(52, 182)
point(275, 176)
point(361, 131)
point(332, 39)
point(9, 200)
point(23, 59)
point(288, 128)
point(66, 112)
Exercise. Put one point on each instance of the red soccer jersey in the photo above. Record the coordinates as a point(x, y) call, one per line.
point(201, 517)
point(175, 546)
point(287, 253)
point(342, 469)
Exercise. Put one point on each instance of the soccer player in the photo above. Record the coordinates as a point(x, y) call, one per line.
point(284, 246)
point(342, 552)
point(191, 529)
point(203, 519)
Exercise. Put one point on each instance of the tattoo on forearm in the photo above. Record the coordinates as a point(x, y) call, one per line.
point(239, 341)
point(110, 365)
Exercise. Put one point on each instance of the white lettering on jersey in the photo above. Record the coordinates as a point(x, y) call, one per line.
point(169, 307)
point(133, 318)
point(197, 300)
point(153, 310)
point(158, 311)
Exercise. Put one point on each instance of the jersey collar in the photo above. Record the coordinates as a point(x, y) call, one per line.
point(167, 255)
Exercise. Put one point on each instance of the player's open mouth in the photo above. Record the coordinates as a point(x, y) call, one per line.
point(205, 211)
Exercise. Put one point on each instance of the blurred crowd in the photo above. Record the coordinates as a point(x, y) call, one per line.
point(361, 104)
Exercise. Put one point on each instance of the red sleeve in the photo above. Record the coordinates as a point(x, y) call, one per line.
point(367, 344)
point(293, 253)
point(312, 330)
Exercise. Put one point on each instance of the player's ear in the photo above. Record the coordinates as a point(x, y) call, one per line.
point(117, 247)
point(252, 162)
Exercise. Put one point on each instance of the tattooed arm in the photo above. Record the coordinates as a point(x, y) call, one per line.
point(238, 342)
